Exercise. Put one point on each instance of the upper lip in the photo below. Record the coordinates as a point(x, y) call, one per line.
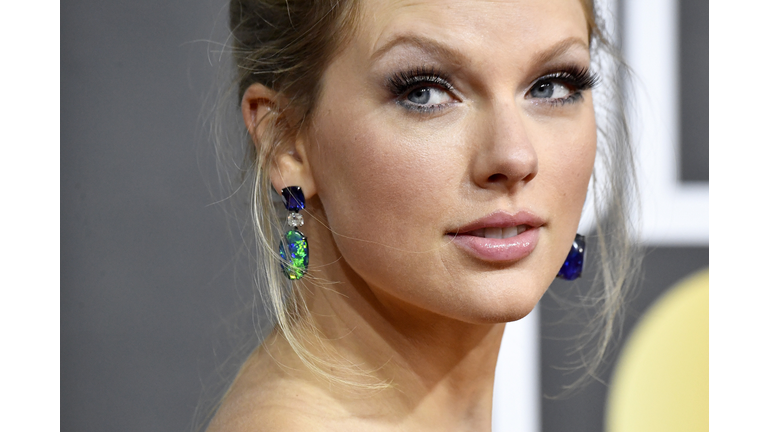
point(501, 219)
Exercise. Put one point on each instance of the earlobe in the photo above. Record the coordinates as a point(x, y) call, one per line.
point(289, 165)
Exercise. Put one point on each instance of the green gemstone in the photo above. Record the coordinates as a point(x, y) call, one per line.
point(296, 261)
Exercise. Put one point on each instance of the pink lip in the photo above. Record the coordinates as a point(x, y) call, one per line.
point(499, 250)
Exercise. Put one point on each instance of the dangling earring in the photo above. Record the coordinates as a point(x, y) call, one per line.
point(295, 262)
point(574, 263)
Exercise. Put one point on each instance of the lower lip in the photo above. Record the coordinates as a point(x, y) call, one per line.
point(499, 250)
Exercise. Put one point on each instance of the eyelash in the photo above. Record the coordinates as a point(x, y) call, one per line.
point(574, 77)
point(402, 83)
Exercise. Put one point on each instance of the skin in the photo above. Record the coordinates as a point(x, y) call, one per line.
point(386, 185)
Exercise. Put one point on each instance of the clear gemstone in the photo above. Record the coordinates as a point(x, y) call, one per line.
point(295, 220)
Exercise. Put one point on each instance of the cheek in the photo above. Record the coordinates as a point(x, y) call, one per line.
point(377, 192)
point(571, 166)
point(566, 169)
point(375, 182)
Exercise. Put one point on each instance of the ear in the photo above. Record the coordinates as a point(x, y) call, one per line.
point(290, 166)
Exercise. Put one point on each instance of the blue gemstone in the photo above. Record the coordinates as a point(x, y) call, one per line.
point(574, 263)
point(293, 198)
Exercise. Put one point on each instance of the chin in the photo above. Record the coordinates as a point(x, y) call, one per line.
point(488, 303)
point(501, 312)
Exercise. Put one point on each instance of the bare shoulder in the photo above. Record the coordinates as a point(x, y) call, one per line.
point(263, 419)
point(264, 398)
point(266, 412)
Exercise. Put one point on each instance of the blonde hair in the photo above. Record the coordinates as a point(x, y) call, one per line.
point(286, 46)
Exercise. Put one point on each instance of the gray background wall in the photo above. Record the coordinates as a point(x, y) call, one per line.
point(146, 261)
point(149, 284)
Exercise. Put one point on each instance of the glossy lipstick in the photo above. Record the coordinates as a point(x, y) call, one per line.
point(499, 237)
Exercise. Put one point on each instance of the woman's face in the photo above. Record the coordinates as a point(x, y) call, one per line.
point(444, 125)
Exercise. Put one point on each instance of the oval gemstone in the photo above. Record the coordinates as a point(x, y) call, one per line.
point(296, 260)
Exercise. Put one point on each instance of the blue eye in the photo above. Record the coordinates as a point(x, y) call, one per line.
point(420, 96)
point(428, 96)
point(564, 86)
point(421, 89)
point(549, 89)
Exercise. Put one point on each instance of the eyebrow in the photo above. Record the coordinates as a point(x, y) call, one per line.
point(559, 49)
point(426, 44)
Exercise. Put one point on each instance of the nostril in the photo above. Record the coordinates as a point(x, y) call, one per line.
point(497, 178)
point(529, 177)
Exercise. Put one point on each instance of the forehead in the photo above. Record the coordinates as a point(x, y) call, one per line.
point(489, 29)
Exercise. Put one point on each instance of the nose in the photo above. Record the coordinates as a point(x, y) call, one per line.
point(506, 158)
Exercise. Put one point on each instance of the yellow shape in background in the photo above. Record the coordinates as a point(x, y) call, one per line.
point(661, 380)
